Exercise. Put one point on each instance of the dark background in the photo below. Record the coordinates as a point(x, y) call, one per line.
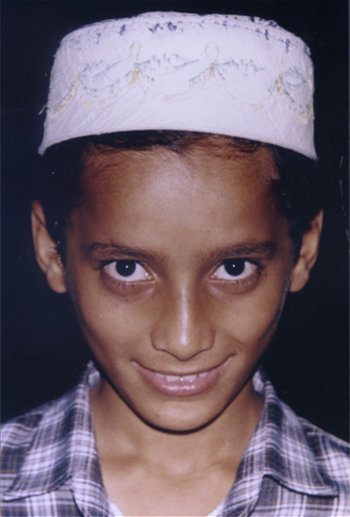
point(42, 351)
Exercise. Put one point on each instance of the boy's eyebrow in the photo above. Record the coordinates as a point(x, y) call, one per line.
point(237, 250)
point(246, 249)
point(113, 249)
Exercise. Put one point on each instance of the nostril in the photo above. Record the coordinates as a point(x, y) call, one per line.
point(183, 349)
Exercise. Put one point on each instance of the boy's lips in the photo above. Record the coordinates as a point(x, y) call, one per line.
point(182, 384)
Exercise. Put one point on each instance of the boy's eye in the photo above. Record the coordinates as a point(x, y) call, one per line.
point(235, 269)
point(126, 271)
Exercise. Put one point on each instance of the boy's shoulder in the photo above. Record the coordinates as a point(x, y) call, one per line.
point(21, 430)
point(48, 421)
point(321, 440)
point(42, 443)
point(331, 453)
point(297, 458)
point(30, 439)
point(52, 450)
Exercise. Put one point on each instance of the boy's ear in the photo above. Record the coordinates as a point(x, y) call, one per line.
point(46, 253)
point(307, 255)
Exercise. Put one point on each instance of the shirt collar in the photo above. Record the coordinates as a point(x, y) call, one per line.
point(288, 453)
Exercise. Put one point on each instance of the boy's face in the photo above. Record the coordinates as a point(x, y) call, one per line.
point(178, 268)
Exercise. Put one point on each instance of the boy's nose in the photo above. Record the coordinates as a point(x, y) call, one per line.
point(183, 328)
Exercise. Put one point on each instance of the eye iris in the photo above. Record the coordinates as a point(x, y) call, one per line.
point(125, 267)
point(234, 267)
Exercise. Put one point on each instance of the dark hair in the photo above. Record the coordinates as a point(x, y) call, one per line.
point(297, 190)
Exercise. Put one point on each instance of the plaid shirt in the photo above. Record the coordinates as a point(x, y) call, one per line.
point(51, 469)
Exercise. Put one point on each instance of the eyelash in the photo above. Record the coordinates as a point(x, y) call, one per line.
point(133, 264)
point(244, 282)
point(237, 264)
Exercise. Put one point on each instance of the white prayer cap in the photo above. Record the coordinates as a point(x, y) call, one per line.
point(224, 74)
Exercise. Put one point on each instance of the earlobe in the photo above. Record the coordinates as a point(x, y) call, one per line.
point(46, 253)
point(307, 255)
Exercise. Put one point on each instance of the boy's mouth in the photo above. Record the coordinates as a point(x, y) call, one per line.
point(181, 385)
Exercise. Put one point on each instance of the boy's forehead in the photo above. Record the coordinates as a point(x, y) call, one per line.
point(223, 74)
point(205, 163)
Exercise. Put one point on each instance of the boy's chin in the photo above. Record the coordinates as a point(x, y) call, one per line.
point(181, 417)
point(184, 424)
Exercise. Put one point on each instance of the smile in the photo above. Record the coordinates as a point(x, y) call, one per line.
point(182, 385)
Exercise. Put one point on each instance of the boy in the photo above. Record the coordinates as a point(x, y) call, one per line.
point(177, 158)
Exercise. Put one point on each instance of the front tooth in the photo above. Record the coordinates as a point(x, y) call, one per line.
point(172, 378)
point(190, 378)
point(181, 378)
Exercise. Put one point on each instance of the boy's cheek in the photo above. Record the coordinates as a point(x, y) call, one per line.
point(107, 321)
point(251, 321)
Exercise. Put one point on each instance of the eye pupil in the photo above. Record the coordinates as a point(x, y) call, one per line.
point(125, 267)
point(234, 267)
